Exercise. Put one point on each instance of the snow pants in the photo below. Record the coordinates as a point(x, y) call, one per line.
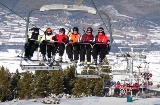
point(30, 47)
point(85, 49)
point(44, 47)
point(60, 48)
point(73, 49)
point(97, 50)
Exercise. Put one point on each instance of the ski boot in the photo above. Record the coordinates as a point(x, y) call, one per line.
point(60, 59)
point(95, 62)
point(44, 58)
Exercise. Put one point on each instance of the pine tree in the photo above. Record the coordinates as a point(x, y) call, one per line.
point(69, 79)
point(41, 84)
point(98, 90)
point(56, 82)
point(79, 87)
point(14, 83)
point(5, 84)
point(25, 86)
point(90, 85)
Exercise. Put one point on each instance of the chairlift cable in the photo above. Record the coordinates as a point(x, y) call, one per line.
point(17, 14)
point(99, 14)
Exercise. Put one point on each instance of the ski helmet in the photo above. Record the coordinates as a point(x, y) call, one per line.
point(100, 28)
point(118, 82)
point(75, 29)
point(90, 28)
point(36, 30)
point(62, 30)
point(107, 82)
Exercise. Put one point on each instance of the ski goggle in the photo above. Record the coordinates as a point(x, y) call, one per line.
point(100, 31)
point(89, 31)
point(75, 30)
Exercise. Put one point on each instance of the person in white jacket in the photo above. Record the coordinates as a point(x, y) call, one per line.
point(47, 44)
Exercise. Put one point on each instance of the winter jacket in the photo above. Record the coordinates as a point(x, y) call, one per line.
point(87, 38)
point(135, 86)
point(37, 37)
point(60, 38)
point(102, 38)
point(118, 86)
point(74, 37)
point(47, 37)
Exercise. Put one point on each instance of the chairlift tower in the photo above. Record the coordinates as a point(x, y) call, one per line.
point(130, 56)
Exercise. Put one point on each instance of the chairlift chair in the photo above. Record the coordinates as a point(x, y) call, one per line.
point(72, 8)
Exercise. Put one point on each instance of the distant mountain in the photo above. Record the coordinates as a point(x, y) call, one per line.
point(140, 11)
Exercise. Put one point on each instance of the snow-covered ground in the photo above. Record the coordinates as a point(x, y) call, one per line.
point(10, 60)
point(92, 101)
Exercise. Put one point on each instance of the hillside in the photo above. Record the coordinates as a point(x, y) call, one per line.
point(134, 23)
point(140, 9)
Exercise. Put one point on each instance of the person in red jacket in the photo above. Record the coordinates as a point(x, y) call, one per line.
point(60, 40)
point(86, 48)
point(100, 48)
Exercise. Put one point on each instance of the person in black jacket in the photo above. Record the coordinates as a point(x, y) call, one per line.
point(31, 44)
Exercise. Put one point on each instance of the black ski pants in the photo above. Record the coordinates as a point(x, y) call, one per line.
point(85, 49)
point(97, 50)
point(44, 47)
point(73, 49)
point(30, 47)
point(60, 48)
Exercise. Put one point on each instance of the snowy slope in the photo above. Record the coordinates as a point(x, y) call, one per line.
point(92, 101)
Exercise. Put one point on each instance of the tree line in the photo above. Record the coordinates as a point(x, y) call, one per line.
point(41, 84)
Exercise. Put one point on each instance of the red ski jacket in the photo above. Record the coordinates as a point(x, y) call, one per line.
point(135, 86)
point(102, 38)
point(87, 38)
point(61, 38)
point(118, 86)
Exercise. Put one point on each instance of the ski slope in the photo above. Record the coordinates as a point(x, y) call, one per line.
point(10, 61)
point(91, 101)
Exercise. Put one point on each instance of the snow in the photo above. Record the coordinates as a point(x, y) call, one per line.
point(92, 101)
point(10, 61)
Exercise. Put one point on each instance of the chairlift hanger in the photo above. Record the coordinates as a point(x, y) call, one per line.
point(72, 8)
point(53, 7)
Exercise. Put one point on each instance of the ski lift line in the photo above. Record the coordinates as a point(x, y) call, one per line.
point(18, 14)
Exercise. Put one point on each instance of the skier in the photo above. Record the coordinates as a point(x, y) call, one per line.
point(100, 48)
point(32, 43)
point(86, 48)
point(61, 39)
point(73, 47)
point(106, 88)
point(46, 44)
point(117, 88)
